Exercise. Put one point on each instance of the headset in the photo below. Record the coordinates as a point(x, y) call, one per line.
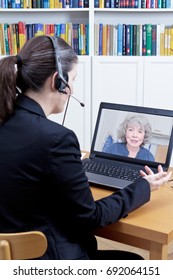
point(61, 81)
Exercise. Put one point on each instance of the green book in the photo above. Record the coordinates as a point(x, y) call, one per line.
point(148, 39)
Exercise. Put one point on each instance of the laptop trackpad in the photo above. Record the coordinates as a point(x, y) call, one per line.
point(107, 181)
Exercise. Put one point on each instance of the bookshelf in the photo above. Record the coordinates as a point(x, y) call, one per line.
point(136, 80)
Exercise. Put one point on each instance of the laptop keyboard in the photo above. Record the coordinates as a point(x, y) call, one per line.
point(110, 170)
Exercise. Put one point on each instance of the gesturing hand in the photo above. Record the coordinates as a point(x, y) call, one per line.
point(155, 179)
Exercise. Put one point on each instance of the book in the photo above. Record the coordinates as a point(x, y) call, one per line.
point(148, 39)
point(96, 3)
point(119, 39)
point(124, 40)
point(158, 40)
point(7, 50)
point(100, 38)
point(162, 39)
point(154, 39)
point(134, 39)
point(14, 39)
point(22, 37)
point(114, 40)
point(104, 40)
point(127, 40)
point(86, 3)
point(96, 39)
point(2, 40)
point(171, 41)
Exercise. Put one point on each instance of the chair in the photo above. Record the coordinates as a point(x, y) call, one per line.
point(22, 245)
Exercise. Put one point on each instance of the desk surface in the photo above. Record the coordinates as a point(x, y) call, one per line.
point(149, 227)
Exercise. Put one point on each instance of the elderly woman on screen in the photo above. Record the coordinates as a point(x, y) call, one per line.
point(134, 132)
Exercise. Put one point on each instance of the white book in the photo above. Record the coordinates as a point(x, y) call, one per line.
point(114, 40)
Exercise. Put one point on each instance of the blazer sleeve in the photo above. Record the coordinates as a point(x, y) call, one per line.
point(68, 179)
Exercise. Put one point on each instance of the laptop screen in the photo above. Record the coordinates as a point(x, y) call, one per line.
point(134, 134)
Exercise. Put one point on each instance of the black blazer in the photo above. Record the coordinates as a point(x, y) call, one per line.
point(43, 185)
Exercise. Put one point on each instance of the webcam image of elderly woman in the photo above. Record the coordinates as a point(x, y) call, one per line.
point(133, 134)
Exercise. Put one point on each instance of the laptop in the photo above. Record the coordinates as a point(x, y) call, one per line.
point(105, 158)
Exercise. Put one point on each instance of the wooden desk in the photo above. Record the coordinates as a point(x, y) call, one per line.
point(149, 227)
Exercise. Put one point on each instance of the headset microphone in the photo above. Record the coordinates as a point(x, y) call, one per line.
point(81, 104)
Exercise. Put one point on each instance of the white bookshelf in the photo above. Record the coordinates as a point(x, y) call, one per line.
point(135, 80)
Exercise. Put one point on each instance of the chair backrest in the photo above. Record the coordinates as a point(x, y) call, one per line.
point(22, 245)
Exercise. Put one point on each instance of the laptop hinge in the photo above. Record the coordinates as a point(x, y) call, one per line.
point(92, 156)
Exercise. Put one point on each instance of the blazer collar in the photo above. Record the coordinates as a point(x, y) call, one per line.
point(29, 104)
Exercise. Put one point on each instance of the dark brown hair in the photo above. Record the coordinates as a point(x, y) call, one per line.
point(30, 69)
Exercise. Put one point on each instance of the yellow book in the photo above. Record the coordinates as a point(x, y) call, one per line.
point(104, 40)
point(82, 39)
point(171, 40)
point(162, 39)
point(14, 39)
point(101, 3)
point(27, 4)
point(22, 37)
point(52, 4)
point(44, 29)
point(166, 41)
point(70, 34)
point(60, 4)
point(56, 3)
point(2, 39)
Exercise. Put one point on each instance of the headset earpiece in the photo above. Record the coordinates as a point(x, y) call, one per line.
point(61, 81)
point(61, 84)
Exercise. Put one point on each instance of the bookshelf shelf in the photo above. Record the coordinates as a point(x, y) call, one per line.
point(43, 10)
point(139, 10)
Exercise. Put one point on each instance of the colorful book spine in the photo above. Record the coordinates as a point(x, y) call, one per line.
point(104, 40)
point(144, 39)
point(127, 40)
point(100, 38)
point(96, 3)
point(148, 39)
point(86, 3)
point(120, 39)
point(154, 39)
point(162, 39)
point(6, 26)
point(134, 39)
point(2, 40)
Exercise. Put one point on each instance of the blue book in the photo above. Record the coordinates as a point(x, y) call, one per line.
point(57, 30)
point(29, 31)
point(70, 3)
point(107, 3)
point(17, 4)
point(87, 38)
point(112, 4)
point(100, 38)
point(96, 3)
point(45, 4)
point(119, 39)
point(75, 4)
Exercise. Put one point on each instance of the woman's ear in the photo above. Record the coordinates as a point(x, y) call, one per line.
point(53, 83)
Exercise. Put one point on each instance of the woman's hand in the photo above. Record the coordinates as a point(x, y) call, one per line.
point(155, 179)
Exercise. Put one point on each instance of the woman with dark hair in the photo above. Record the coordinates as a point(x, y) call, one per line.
point(42, 182)
point(133, 133)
